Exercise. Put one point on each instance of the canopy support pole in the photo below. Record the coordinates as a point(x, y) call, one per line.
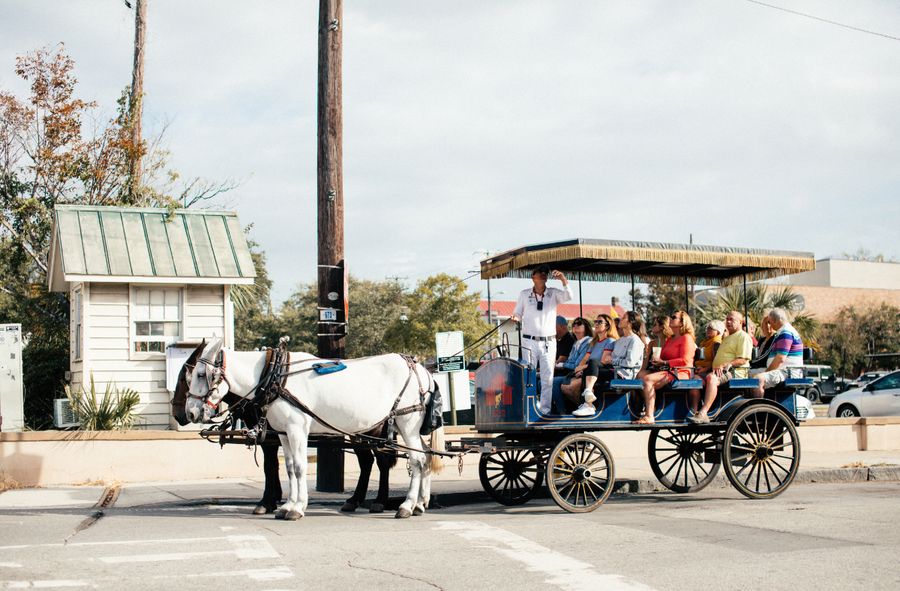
point(632, 293)
point(580, 303)
point(746, 317)
point(687, 300)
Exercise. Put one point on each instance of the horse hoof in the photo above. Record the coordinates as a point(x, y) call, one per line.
point(280, 514)
point(376, 508)
point(293, 515)
point(349, 507)
point(418, 511)
point(261, 510)
point(402, 513)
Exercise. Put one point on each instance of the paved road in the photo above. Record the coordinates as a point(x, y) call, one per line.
point(812, 537)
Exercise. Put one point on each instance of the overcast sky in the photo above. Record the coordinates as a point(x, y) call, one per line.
point(487, 125)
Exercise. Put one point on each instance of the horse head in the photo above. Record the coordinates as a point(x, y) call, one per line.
point(182, 386)
point(206, 381)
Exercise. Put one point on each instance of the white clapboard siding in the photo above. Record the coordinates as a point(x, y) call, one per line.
point(204, 314)
point(152, 421)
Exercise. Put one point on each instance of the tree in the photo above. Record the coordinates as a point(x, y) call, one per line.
point(254, 321)
point(760, 298)
point(439, 303)
point(375, 307)
point(843, 345)
point(49, 155)
point(662, 298)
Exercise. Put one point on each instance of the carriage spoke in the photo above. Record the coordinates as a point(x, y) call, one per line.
point(743, 447)
point(744, 438)
point(791, 458)
point(775, 474)
point(667, 458)
point(765, 471)
point(786, 470)
point(694, 471)
point(744, 467)
point(753, 466)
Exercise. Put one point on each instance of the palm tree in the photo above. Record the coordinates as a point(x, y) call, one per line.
point(760, 299)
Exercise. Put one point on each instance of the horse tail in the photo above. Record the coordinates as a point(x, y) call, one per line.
point(437, 444)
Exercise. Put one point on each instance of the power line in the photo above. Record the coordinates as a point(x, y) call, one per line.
point(824, 20)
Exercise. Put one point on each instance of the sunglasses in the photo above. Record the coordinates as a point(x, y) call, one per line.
point(600, 321)
point(673, 317)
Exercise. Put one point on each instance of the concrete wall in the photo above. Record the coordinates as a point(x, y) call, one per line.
point(64, 457)
point(851, 274)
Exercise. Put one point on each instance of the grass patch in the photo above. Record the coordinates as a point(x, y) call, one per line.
point(855, 465)
point(7, 483)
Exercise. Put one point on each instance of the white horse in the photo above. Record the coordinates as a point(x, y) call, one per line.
point(353, 400)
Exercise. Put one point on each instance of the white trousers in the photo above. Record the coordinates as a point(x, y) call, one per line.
point(543, 354)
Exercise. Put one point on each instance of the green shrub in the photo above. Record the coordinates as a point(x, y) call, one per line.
point(115, 411)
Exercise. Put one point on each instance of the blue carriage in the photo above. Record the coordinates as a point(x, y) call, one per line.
point(754, 439)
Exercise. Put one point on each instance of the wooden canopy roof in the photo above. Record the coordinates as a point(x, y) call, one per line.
point(620, 260)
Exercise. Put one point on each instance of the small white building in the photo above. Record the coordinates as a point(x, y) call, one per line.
point(139, 280)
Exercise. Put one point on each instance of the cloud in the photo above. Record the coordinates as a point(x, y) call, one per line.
point(488, 125)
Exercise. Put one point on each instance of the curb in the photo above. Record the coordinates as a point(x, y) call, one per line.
point(639, 486)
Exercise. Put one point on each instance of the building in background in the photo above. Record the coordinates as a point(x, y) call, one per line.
point(836, 283)
point(140, 280)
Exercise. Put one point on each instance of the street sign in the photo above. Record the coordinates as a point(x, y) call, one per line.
point(328, 315)
point(449, 346)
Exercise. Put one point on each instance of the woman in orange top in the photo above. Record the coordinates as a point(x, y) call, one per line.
point(677, 356)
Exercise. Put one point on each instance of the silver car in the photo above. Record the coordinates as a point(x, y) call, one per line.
point(878, 398)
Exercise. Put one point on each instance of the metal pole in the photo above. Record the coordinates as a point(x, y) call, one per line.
point(490, 316)
point(633, 307)
point(332, 275)
point(687, 302)
point(746, 317)
point(580, 303)
point(452, 397)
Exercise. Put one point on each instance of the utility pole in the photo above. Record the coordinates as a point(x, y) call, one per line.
point(136, 102)
point(332, 275)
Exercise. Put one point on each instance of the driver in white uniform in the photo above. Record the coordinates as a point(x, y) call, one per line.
point(536, 310)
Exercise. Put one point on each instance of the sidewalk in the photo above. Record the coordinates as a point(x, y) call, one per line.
point(633, 476)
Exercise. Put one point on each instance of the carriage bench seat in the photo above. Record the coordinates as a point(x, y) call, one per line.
point(798, 382)
point(743, 384)
point(691, 384)
point(626, 385)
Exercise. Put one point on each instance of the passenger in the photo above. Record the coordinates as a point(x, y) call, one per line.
point(786, 352)
point(731, 361)
point(767, 333)
point(659, 332)
point(626, 359)
point(600, 350)
point(536, 309)
point(715, 330)
point(564, 339)
point(581, 328)
point(677, 356)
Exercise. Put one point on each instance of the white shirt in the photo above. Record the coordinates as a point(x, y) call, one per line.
point(540, 323)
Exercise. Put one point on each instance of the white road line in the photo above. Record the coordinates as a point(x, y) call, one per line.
point(562, 571)
point(244, 548)
point(114, 543)
point(10, 565)
point(227, 527)
point(43, 584)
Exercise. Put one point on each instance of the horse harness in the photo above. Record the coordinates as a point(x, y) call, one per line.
point(272, 386)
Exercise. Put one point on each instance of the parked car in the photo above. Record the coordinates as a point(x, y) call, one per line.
point(866, 378)
point(880, 397)
point(824, 388)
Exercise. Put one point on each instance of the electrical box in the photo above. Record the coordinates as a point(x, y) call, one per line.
point(12, 400)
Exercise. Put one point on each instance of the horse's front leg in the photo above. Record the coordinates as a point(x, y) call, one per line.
point(292, 485)
point(409, 429)
point(297, 440)
point(386, 460)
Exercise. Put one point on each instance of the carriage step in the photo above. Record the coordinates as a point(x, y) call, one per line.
point(743, 384)
point(626, 385)
point(798, 382)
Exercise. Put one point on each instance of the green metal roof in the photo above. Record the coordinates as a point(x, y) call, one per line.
point(131, 244)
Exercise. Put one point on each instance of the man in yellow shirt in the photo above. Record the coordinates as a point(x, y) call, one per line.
point(731, 361)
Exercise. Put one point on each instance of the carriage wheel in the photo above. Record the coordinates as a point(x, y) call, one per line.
point(512, 476)
point(580, 473)
point(761, 452)
point(684, 461)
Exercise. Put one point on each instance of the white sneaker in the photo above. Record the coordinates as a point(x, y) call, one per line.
point(585, 410)
point(589, 396)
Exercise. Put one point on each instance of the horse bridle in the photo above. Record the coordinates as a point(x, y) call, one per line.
point(212, 382)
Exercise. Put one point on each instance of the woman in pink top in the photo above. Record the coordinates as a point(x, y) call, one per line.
point(677, 356)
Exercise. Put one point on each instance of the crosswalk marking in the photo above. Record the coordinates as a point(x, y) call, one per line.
point(561, 570)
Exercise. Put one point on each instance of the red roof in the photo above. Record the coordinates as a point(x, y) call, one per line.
point(504, 309)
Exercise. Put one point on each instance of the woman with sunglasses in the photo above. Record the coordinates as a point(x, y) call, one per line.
point(659, 332)
point(599, 352)
point(581, 328)
point(625, 358)
point(676, 356)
